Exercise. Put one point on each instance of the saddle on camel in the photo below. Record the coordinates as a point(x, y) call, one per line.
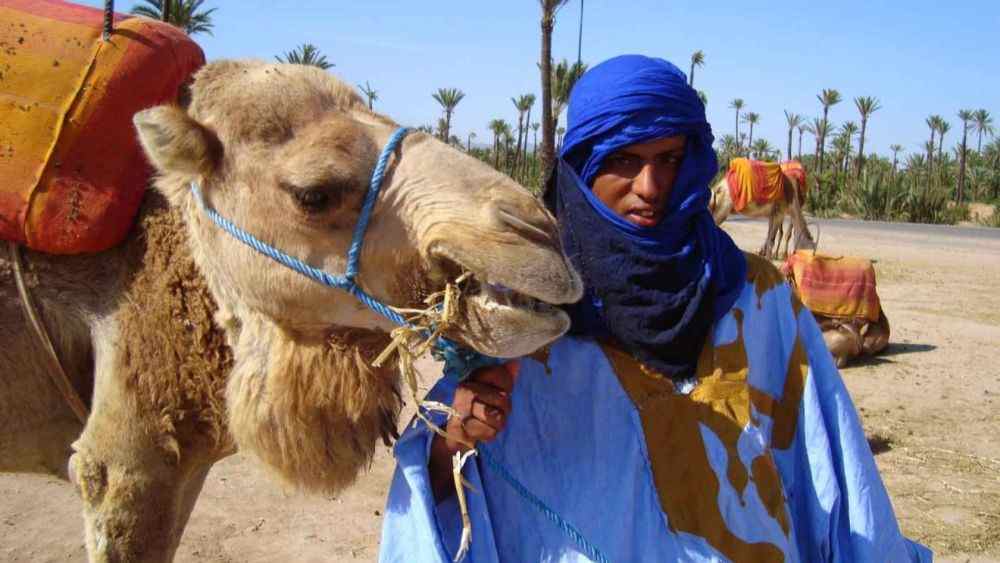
point(73, 174)
point(840, 291)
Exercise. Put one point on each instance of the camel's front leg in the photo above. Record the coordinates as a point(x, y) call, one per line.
point(137, 471)
point(773, 219)
point(134, 510)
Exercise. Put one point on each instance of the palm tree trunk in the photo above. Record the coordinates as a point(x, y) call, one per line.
point(524, 151)
point(930, 155)
point(800, 145)
point(165, 10)
point(960, 195)
point(737, 130)
point(822, 139)
point(790, 142)
point(691, 76)
point(750, 140)
point(548, 128)
point(861, 148)
point(496, 151)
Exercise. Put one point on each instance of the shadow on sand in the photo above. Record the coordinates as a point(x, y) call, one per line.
point(885, 356)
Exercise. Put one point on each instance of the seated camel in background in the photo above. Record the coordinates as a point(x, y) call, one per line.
point(764, 189)
point(186, 344)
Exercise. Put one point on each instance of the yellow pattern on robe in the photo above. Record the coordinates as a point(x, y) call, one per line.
point(722, 402)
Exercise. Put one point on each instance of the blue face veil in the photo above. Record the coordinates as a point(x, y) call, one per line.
point(656, 290)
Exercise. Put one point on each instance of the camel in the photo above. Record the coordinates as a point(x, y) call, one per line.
point(789, 203)
point(186, 344)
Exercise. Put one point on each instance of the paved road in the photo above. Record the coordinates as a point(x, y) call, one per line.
point(916, 230)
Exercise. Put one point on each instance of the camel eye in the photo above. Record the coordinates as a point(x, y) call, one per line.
point(313, 201)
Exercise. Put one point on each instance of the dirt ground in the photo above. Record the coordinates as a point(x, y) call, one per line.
point(931, 407)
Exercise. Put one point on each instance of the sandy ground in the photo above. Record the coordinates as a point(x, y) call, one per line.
point(931, 406)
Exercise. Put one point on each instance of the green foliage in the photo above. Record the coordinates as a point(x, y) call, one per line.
point(306, 54)
point(185, 14)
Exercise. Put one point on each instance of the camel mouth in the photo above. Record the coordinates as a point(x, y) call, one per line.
point(498, 297)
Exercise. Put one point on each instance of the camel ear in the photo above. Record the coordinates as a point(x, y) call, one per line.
point(180, 148)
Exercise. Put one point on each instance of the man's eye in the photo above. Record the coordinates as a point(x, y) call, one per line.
point(621, 161)
point(671, 159)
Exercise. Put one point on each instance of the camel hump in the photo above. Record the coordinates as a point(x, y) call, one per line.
point(74, 177)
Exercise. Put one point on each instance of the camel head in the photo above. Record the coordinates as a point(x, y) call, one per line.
point(287, 151)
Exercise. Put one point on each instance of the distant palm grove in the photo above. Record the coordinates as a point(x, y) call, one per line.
point(932, 185)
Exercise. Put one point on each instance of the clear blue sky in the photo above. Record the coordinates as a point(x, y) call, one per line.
point(917, 56)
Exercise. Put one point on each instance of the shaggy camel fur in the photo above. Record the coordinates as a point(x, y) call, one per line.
point(721, 206)
point(186, 344)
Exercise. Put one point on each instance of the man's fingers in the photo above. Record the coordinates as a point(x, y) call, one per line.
point(478, 430)
point(489, 414)
point(488, 395)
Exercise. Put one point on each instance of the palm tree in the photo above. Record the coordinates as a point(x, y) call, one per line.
point(497, 127)
point(895, 156)
point(847, 132)
point(548, 23)
point(867, 105)
point(370, 93)
point(697, 59)
point(564, 77)
point(752, 119)
point(761, 149)
point(185, 14)
point(306, 54)
point(534, 129)
point(966, 115)
point(794, 120)
point(819, 128)
point(737, 104)
point(828, 97)
point(803, 128)
point(448, 98)
point(523, 105)
point(943, 127)
point(468, 143)
point(932, 122)
point(560, 131)
point(984, 124)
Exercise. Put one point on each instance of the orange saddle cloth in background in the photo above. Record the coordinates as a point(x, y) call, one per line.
point(72, 173)
point(836, 286)
point(753, 181)
point(794, 170)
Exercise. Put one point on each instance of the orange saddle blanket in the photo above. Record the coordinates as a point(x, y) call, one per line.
point(794, 170)
point(840, 287)
point(753, 181)
point(72, 173)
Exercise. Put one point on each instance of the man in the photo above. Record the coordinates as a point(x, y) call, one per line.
point(693, 413)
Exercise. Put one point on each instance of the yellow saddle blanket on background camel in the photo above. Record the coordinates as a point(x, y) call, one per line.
point(753, 181)
point(72, 173)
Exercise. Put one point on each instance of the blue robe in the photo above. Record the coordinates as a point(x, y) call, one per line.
point(761, 457)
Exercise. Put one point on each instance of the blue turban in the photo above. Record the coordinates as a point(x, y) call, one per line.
point(656, 290)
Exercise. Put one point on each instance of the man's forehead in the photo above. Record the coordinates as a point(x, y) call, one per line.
point(675, 143)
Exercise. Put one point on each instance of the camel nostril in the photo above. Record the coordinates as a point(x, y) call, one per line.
point(536, 228)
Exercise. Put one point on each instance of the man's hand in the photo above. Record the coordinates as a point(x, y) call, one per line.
point(483, 405)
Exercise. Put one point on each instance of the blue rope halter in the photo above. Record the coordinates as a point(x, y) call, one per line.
point(459, 362)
